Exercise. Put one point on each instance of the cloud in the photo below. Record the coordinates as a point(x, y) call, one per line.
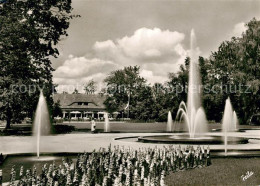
point(156, 51)
point(238, 29)
point(149, 43)
point(77, 71)
point(151, 78)
point(144, 46)
point(70, 84)
point(163, 69)
point(77, 67)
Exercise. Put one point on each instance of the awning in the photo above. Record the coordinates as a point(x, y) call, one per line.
point(75, 112)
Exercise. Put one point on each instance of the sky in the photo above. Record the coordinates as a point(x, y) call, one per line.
point(153, 34)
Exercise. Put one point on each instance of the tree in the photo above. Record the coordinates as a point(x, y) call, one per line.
point(57, 111)
point(30, 31)
point(203, 66)
point(122, 86)
point(75, 91)
point(178, 82)
point(90, 87)
point(176, 89)
point(144, 104)
point(162, 102)
point(235, 69)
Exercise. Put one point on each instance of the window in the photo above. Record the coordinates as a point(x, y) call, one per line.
point(82, 103)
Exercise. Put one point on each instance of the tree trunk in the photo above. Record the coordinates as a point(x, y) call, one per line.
point(8, 119)
point(8, 123)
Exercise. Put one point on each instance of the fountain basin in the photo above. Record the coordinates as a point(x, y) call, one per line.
point(185, 139)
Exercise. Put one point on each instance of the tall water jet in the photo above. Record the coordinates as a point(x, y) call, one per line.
point(193, 114)
point(107, 124)
point(169, 122)
point(41, 124)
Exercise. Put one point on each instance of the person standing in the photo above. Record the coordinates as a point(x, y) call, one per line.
point(192, 157)
point(203, 159)
point(185, 159)
point(180, 156)
point(93, 126)
point(208, 160)
point(175, 160)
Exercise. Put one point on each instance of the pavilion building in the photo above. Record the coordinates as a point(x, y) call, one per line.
point(81, 106)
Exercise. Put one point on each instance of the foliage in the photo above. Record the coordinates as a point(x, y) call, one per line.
point(90, 87)
point(122, 87)
point(146, 102)
point(235, 70)
point(177, 87)
point(30, 31)
point(143, 104)
point(57, 111)
point(75, 91)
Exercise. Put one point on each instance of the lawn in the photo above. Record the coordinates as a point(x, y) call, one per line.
point(223, 171)
point(78, 127)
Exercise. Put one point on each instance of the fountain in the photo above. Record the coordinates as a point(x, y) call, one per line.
point(169, 122)
point(41, 124)
point(106, 124)
point(193, 114)
point(229, 121)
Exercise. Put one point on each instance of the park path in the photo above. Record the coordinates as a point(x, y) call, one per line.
point(88, 142)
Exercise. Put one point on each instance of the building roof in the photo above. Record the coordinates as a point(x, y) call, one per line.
point(69, 101)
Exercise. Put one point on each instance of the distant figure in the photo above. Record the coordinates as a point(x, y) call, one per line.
point(93, 126)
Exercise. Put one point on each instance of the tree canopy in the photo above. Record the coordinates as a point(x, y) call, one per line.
point(90, 87)
point(235, 69)
point(122, 87)
point(29, 33)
